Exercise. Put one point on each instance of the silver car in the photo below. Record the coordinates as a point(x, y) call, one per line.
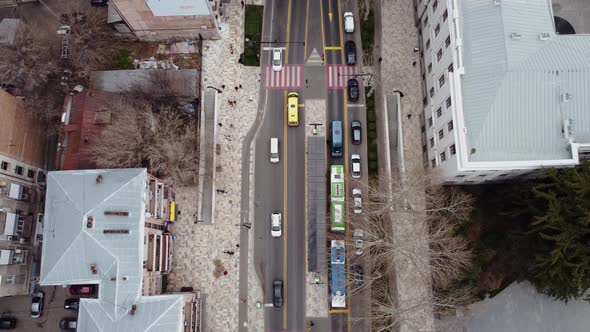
point(356, 165)
point(37, 304)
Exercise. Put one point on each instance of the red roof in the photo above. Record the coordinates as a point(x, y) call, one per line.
point(90, 113)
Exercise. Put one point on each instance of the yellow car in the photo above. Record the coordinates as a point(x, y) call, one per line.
point(292, 109)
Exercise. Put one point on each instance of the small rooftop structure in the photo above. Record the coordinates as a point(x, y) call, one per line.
point(93, 234)
point(8, 30)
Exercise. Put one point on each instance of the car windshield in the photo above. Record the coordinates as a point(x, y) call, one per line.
point(276, 228)
point(276, 62)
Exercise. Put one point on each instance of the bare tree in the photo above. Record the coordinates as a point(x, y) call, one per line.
point(163, 140)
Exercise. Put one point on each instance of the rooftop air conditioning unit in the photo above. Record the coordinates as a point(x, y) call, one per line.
point(566, 97)
point(515, 35)
point(545, 36)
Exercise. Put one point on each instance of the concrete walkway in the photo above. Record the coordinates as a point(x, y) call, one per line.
point(207, 256)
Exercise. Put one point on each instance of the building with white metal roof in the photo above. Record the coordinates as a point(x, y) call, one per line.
point(94, 234)
point(505, 94)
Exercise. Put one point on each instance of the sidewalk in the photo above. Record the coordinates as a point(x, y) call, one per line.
point(201, 248)
point(395, 43)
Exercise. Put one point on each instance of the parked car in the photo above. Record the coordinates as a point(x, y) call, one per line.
point(37, 304)
point(358, 200)
point(68, 324)
point(277, 293)
point(350, 49)
point(82, 289)
point(356, 132)
point(358, 241)
point(72, 304)
point(353, 89)
point(348, 22)
point(356, 165)
point(277, 59)
point(7, 323)
point(275, 224)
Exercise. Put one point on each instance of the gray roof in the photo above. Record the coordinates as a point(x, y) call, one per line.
point(8, 28)
point(70, 247)
point(512, 89)
point(182, 82)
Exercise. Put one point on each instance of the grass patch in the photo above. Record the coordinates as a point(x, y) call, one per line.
point(368, 32)
point(253, 35)
point(123, 60)
point(371, 133)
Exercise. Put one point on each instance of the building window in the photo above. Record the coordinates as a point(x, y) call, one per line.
point(434, 5)
point(450, 126)
point(445, 15)
point(441, 134)
point(428, 44)
point(433, 162)
point(425, 21)
point(430, 122)
point(4, 165)
point(19, 170)
point(448, 41)
point(439, 112)
point(437, 30)
point(448, 102)
point(431, 92)
point(443, 156)
point(482, 175)
point(439, 54)
point(429, 67)
point(31, 173)
point(453, 150)
point(425, 101)
point(450, 68)
point(8, 279)
point(441, 80)
point(432, 142)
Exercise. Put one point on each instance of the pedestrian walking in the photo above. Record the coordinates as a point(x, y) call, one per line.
point(237, 245)
point(380, 59)
point(240, 86)
point(223, 86)
point(414, 63)
point(230, 252)
point(236, 88)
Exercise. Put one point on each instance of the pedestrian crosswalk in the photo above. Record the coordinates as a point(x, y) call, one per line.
point(290, 77)
point(337, 76)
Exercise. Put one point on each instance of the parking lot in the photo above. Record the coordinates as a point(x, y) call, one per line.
point(19, 307)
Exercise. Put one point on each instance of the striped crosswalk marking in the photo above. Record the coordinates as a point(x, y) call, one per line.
point(338, 75)
point(290, 77)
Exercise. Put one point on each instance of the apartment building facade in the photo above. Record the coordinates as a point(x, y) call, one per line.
point(22, 190)
point(504, 92)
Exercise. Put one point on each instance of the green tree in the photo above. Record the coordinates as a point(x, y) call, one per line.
point(559, 232)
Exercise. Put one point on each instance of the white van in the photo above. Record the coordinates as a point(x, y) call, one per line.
point(274, 150)
point(348, 22)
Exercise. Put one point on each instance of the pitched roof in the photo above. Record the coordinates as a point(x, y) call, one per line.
point(514, 86)
point(70, 247)
point(183, 82)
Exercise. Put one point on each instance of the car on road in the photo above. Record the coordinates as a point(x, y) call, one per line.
point(292, 109)
point(358, 241)
point(277, 59)
point(275, 224)
point(350, 51)
point(82, 289)
point(68, 324)
point(356, 165)
point(277, 293)
point(358, 200)
point(353, 89)
point(356, 132)
point(72, 304)
point(37, 304)
point(348, 22)
point(7, 323)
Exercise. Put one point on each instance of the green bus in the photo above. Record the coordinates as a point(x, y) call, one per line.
point(337, 199)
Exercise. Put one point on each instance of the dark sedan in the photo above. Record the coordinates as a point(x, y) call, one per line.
point(353, 89)
point(356, 132)
point(277, 294)
point(350, 49)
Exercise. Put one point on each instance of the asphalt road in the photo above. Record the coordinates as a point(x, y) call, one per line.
point(281, 187)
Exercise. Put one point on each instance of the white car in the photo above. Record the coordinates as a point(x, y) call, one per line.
point(275, 224)
point(358, 241)
point(356, 166)
point(277, 59)
point(358, 200)
point(37, 304)
point(348, 22)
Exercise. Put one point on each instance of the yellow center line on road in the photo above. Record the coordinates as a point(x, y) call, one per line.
point(323, 27)
point(333, 48)
point(285, 178)
point(306, 25)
